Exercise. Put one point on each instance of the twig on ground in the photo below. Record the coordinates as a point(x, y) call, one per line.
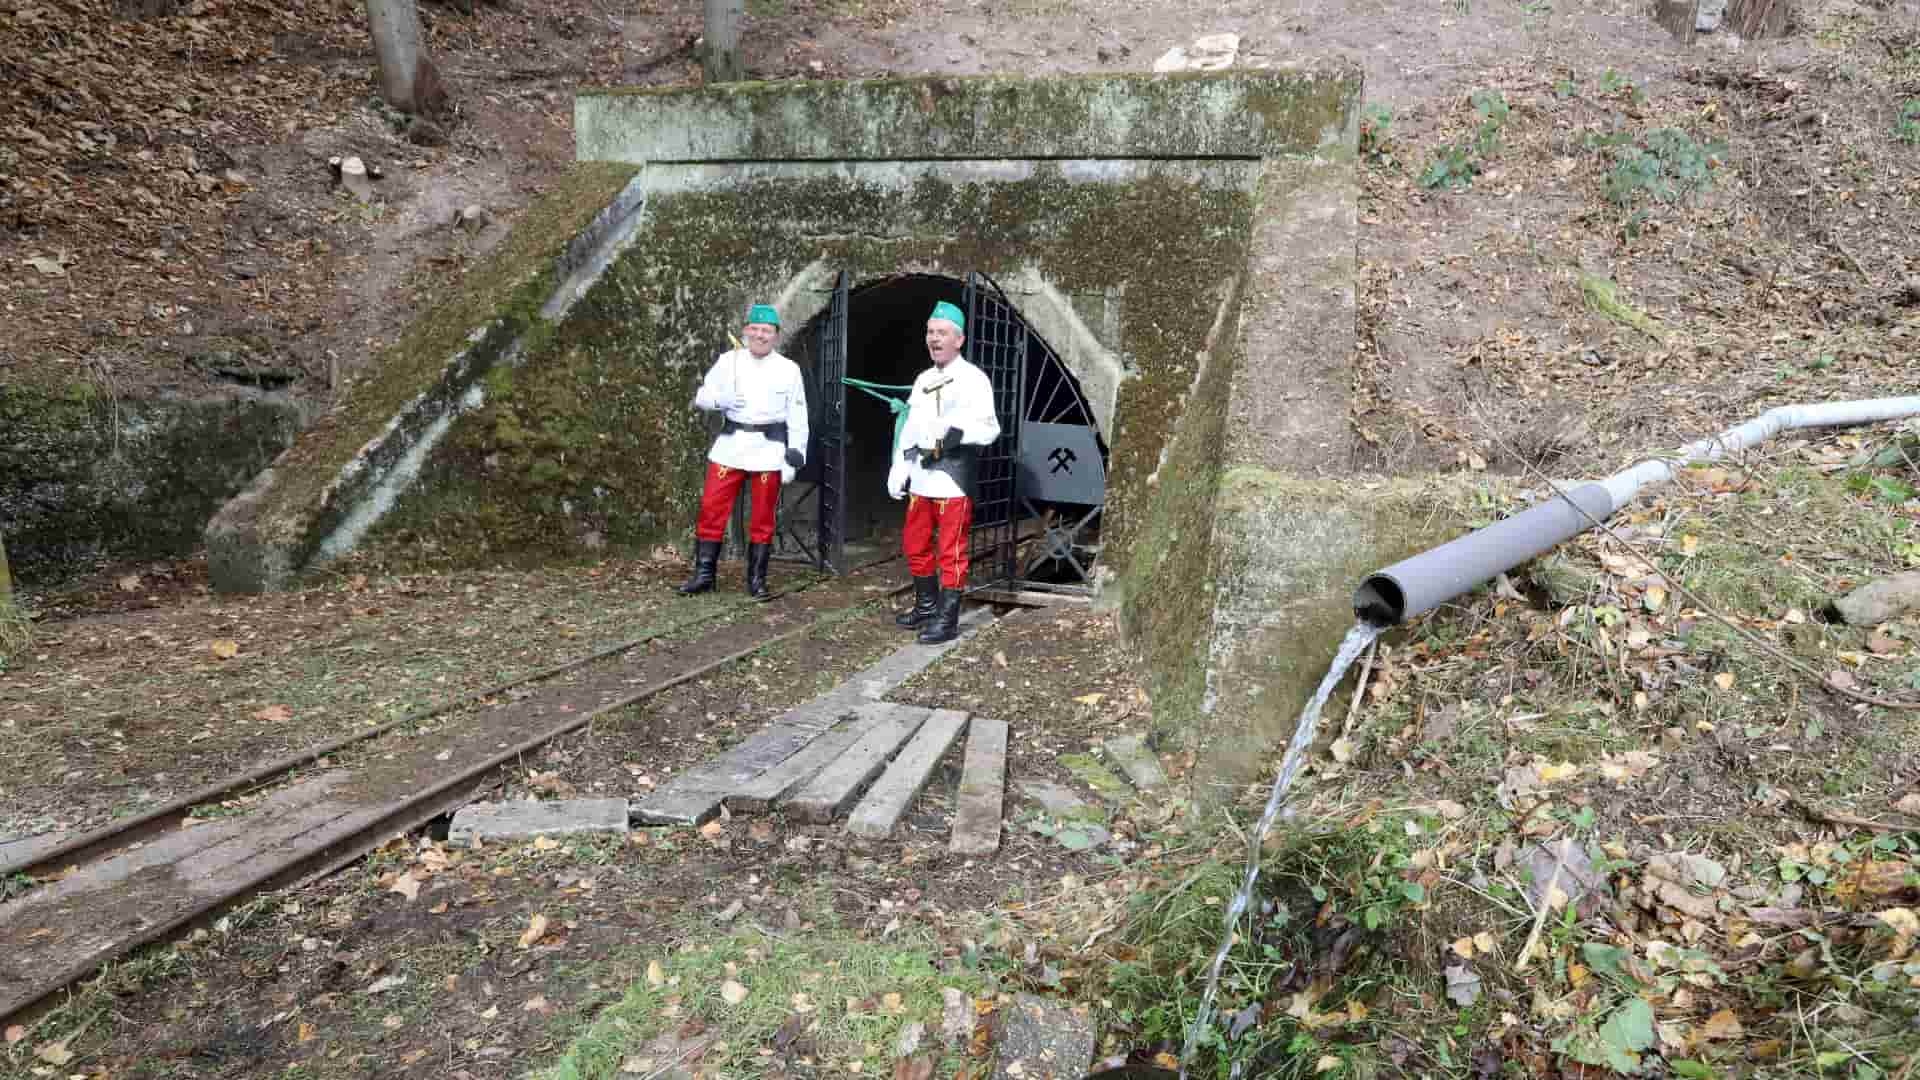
point(1359, 689)
point(1836, 817)
point(1546, 905)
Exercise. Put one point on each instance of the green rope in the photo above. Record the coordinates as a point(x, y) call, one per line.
point(898, 406)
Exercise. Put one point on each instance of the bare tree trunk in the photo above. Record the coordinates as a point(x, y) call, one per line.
point(408, 80)
point(722, 60)
point(1753, 19)
point(15, 630)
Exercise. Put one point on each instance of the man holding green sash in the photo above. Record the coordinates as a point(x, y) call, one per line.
point(950, 418)
point(762, 443)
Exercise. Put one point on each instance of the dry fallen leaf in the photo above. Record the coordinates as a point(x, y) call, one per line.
point(274, 714)
point(545, 843)
point(1327, 1063)
point(1091, 699)
point(537, 1004)
point(732, 992)
point(54, 1053)
point(1724, 680)
point(656, 976)
point(406, 885)
point(225, 648)
point(536, 929)
point(1655, 598)
point(914, 1068)
point(892, 1004)
point(1722, 1025)
point(306, 1032)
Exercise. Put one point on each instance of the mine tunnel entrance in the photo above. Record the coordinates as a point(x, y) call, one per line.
point(1040, 488)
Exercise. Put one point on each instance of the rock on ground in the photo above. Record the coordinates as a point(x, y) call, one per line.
point(1878, 601)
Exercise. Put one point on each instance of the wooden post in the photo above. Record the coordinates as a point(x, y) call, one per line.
point(722, 52)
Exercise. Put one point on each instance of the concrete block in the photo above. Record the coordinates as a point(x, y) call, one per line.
point(502, 822)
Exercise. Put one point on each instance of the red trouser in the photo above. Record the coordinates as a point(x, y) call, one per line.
point(716, 502)
point(955, 518)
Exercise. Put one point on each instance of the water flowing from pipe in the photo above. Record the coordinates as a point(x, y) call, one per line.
point(1355, 643)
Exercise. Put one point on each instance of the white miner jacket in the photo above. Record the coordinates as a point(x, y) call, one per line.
point(768, 390)
point(965, 401)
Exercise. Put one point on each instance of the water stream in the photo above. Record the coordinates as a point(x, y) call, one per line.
point(1351, 647)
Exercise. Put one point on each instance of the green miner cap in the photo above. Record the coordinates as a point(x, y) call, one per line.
point(764, 313)
point(944, 310)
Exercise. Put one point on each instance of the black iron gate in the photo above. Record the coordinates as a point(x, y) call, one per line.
point(830, 436)
point(997, 345)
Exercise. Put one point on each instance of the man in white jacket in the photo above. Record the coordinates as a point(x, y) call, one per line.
point(762, 444)
point(950, 419)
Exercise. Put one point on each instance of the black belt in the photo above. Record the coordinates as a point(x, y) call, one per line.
point(778, 429)
point(959, 462)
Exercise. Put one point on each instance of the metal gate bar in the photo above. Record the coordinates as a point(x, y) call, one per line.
point(997, 345)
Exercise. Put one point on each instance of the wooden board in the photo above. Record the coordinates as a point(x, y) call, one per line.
point(823, 797)
point(983, 789)
point(877, 814)
point(763, 791)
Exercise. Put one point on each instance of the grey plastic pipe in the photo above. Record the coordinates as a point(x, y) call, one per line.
point(1425, 581)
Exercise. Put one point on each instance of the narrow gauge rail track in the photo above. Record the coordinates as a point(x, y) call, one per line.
point(296, 835)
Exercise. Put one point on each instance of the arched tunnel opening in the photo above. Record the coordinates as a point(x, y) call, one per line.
point(886, 319)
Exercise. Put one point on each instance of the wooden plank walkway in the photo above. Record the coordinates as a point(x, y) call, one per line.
point(695, 796)
point(880, 811)
point(983, 787)
point(822, 799)
point(761, 792)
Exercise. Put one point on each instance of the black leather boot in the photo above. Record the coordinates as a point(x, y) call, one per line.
point(757, 558)
point(945, 625)
point(926, 603)
point(706, 558)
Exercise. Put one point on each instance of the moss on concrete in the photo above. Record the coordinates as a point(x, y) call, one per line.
point(591, 441)
point(1233, 114)
point(1287, 555)
point(86, 474)
point(1090, 771)
point(1163, 528)
point(495, 307)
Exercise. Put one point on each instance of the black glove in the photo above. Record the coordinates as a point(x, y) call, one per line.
point(952, 438)
point(795, 458)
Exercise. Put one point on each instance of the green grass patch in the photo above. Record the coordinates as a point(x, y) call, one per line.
point(1603, 296)
point(1318, 963)
point(833, 998)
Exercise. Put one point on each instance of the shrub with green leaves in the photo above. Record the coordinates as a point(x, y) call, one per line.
point(1906, 127)
point(1376, 143)
point(1665, 165)
point(1456, 164)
